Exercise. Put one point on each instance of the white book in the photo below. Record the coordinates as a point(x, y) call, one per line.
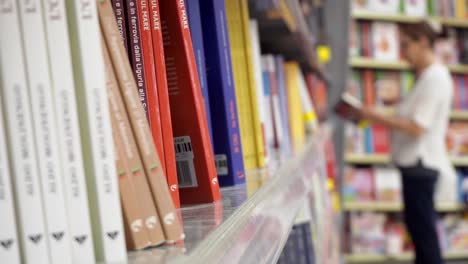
point(308, 109)
point(96, 131)
point(269, 129)
point(387, 185)
point(258, 75)
point(384, 6)
point(415, 7)
point(385, 41)
point(68, 131)
point(45, 129)
point(9, 248)
point(18, 117)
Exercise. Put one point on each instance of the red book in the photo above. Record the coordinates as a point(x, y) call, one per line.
point(381, 139)
point(196, 169)
point(456, 100)
point(144, 23)
point(369, 89)
point(318, 92)
point(366, 39)
point(164, 106)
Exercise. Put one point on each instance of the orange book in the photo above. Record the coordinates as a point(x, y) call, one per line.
point(130, 162)
point(369, 89)
point(196, 170)
point(148, 154)
point(164, 107)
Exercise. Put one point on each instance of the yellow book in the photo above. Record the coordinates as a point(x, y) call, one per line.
point(296, 120)
point(237, 14)
point(460, 8)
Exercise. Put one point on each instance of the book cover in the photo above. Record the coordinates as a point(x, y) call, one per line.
point(20, 133)
point(355, 84)
point(148, 154)
point(225, 119)
point(369, 140)
point(387, 88)
point(68, 130)
point(358, 185)
point(385, 41)
point(120, 12)
point(137, 202)
point(387, 185)
point(237, 15)
point(415, 7)
point(462, 91)
point(460, 9)
point(296, 120)
point(258, 76)
point(45, 130)
point(360, 5)
point(269, 118)
point(368, 86)
point(354, 139)
point(308, 109)
point(9, 244)
point(282, 93)
point(384, 6)
point(196, 170)
point(457, 139)
point(96, 131)
point(366, 39)
point(164, 107)
point(195, 24)
point(381, 139)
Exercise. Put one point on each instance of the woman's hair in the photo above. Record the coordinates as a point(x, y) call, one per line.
point(432, 30)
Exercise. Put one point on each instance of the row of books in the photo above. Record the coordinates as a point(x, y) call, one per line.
point(375, 139)
point(380, 41)
point(378, 233)
point(298, 248)
point(440, 8)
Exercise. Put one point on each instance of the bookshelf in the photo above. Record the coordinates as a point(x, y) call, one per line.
point(394, 207)
point(450, 22)
point(370, 63)
point(247, 220)
point(384, 159)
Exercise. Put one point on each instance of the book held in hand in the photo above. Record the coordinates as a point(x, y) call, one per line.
point(348, 107)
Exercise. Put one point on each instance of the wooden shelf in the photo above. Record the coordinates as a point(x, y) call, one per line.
point(376, 258)
point(384, 159)
point(395, 207)
point(400, 18)
point(370, 63)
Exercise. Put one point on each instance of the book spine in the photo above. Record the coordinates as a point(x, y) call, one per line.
point(258, 75)
point(465, 90)
point(369, 89)
point(121, 16)
point(149, 156)
point(283, 105)
point(96, 131)
point(9, 244)
point(45, 127)
point(193, 11)
point(456, 94)
point(121, 128)
point(269, 125)
point(225, 120)
point(135, 54)
point(380, 139)
point(308, 110)
point(275, 103)
point(24, 167)
point(194, 155)
point(164, 107)
point(66, 115)
point(369, 141)
point(144, 18)
point(294, 102)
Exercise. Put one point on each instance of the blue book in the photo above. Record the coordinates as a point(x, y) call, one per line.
point(282, 94)
point(462, 91)
point(223, 107)
point(194, 17)
point(369, 140)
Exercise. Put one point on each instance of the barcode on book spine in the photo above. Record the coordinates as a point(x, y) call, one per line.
point(221, 164)
point(184, 161)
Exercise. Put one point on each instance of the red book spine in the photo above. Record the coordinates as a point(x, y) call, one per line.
point(365, 39)
point(456, 101)
point(164, 106)
point(381, 139)
point(369, 89)
point(150, 76)
point(195, 162)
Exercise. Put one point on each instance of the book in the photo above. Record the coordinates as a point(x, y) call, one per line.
point(387, 88)
point(68, 130)
point(275, 103)
point(259, 85)
point(318, 93)
point(347, 107)
point(457, 139)
point(120, 12)
point(9, 243)
point(19, 130)
point(137, 203)
point(354, 85)
point(225, 119)
point(164, 107)
point(45, 128)
point(368, 78)
point(148, 154)
point(415, 7)
point(354, 139)
point(387, 185)
point(237, 15)
point(366, 39)
point(456, 99)
point(196, 170)
point(462, 92)
point(384, 7)
point(381, 139)
point(96, 131)
point(267, 102)
point(385, 41)
point(358, 185)
point(460, 9)
point(354, 39)
point(369, 140)
point(297, 127)
point(194, 17)
point(286, 148)
point(359, 5)
point(308, 110)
